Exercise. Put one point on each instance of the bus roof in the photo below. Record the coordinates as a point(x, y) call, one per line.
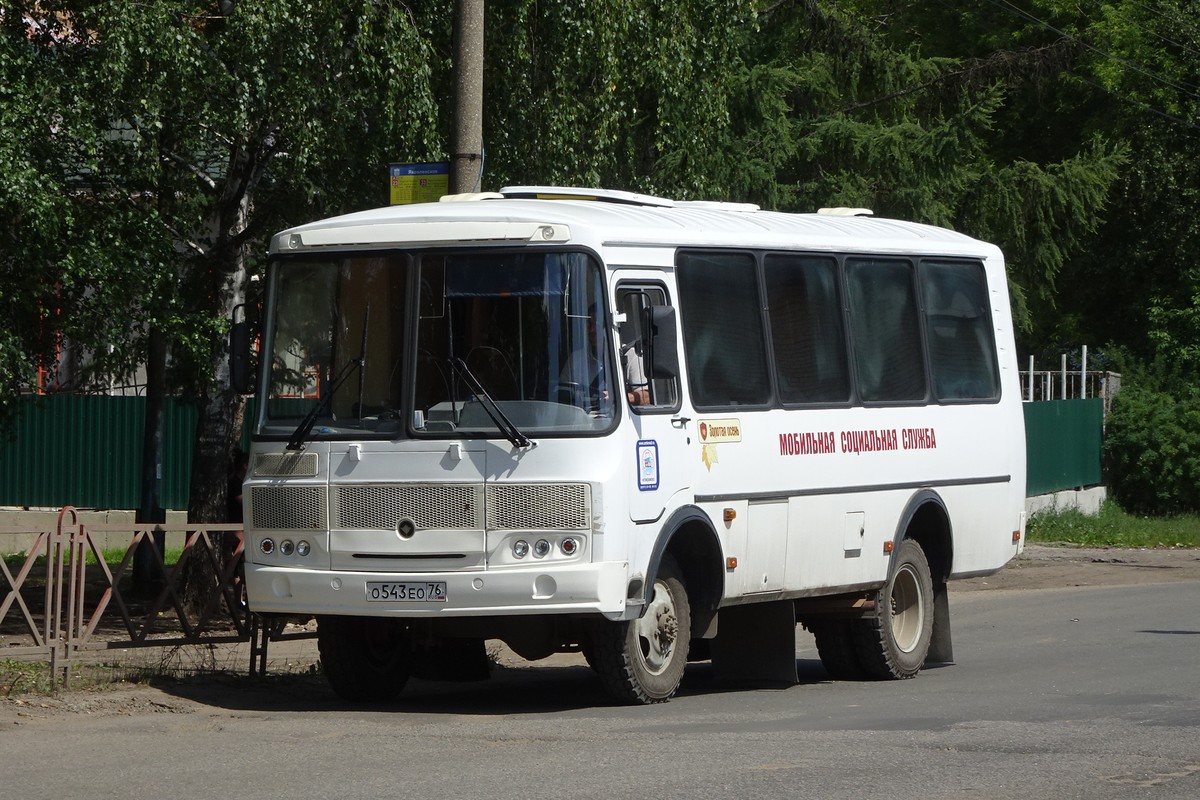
point(611, 218)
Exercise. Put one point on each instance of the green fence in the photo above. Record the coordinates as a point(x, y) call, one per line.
point(1062, 444)
point(86, 451)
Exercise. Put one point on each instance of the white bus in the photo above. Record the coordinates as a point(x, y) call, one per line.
point(588, 420)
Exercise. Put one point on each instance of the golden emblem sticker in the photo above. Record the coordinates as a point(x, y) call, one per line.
point(714, 432)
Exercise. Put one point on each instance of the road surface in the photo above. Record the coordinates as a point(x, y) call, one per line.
point(1088, 691)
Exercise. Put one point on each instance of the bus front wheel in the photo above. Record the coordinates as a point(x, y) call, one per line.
point(642, 660)
point(894, 641)
point(365, 659)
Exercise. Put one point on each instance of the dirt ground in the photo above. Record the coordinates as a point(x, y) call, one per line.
point(222, 669)
point(1051, 567)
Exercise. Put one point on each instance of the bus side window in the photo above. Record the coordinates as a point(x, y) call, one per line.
point(807, 333)
point(884, 325)
point(643, 388)
point(721, 314)
point(962, 350)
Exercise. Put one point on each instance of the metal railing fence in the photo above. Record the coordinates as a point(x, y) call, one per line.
point(57, 607)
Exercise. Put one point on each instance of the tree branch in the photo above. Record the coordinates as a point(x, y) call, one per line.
point(201, 176)
point(1002, 63)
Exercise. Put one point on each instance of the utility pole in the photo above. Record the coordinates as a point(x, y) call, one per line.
point(146, 576)
point(466, 160)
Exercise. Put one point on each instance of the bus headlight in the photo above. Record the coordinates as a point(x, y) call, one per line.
point(520, 548)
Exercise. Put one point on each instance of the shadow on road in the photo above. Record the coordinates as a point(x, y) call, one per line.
point(510, 690)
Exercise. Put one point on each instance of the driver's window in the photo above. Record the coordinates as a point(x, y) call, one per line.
point(643, 391)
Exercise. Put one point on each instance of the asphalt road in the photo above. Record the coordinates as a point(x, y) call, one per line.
point(1064, 693)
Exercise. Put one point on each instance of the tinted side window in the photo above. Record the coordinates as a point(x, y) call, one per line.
point(641, 390)
point(807, 337)
point(888, 358)
point(722, 322)
point(962, 349)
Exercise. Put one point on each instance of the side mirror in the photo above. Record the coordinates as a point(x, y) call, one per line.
point(239, 353)
point(662, 357)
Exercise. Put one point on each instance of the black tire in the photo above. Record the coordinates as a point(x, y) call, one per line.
point(365, 659)
point(642, 660)
point(835, 646)
point(893, 643)
point(588, 650)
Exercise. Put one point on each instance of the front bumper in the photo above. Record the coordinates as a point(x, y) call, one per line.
point(598, 588)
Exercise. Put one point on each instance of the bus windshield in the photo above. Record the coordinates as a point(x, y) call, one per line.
point(501, 340)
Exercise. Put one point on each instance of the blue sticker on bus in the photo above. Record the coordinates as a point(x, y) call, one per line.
point(647, 460)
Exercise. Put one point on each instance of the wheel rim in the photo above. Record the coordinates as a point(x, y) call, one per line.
point(657, 630)
point(908, 609)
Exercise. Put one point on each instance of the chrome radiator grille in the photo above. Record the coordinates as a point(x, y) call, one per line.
point(521, 506)
point(455, 506)
point(430, 506)
point(287, 507)
point(286, 465)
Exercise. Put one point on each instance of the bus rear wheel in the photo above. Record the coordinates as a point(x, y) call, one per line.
point(642, 660)
point(893, 643)
point(365, 659)
point(835, 645)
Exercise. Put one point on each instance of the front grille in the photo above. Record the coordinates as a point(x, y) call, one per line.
point(534, 506)
point(520, 506)
point(287, 507)
point(286, 465)
point(455, 506)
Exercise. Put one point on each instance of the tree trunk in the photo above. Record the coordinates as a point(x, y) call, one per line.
point(150, 508)
point(218, 428)
point(216, 432)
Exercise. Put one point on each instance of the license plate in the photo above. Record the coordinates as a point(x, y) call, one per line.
point(412, 591)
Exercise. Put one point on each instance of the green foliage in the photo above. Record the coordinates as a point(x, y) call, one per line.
point(183, 135)
point(58, 265)
point(1114, 528)
point(1152, 448)
point(149, 149)
point(1138, 283)
point(923, 132)
point(208, 127)
point(180, 137)
point(624, 94)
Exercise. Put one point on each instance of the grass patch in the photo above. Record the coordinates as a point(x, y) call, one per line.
point(1114, 528)
point(19, 678)
point(152, 667)
point(114, 557)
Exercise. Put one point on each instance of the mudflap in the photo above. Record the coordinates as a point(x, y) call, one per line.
point(941, 649)
point(756, 644)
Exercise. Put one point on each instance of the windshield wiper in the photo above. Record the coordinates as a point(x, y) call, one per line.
point(503, 423)
point(306, 425)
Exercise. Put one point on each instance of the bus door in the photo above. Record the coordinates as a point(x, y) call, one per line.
point(650, 369)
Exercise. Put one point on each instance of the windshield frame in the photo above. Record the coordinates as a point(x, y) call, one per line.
point(411, 260)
